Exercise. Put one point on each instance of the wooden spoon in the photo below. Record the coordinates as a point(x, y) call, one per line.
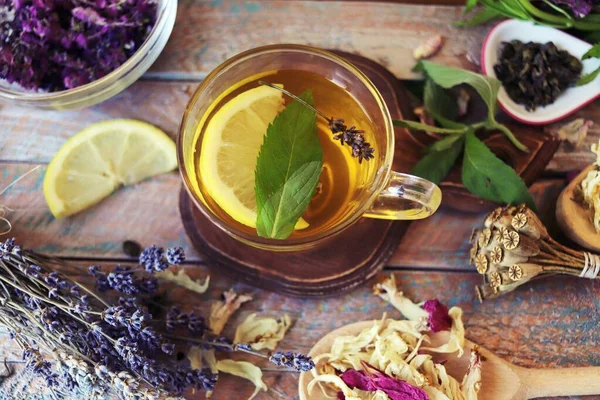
point(501, 380)
point(574, 219)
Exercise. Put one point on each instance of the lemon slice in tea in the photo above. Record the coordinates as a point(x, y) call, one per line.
point(230, 149)
point(100, 158)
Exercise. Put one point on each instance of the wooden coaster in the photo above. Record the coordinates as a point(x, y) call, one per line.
point(358, 253)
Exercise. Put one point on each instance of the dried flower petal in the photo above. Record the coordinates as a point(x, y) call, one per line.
point(262, 333)
point(429, 47)
point(395, 389)
point(439, 320)
point(181, 278)
point(573, 132)
point(221, 311)
point(471, 383)
point(244, 370)
point(388, 291)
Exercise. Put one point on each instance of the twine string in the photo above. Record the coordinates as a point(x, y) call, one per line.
point(591, 268)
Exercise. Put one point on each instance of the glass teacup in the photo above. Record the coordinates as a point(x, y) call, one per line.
point(348, 190)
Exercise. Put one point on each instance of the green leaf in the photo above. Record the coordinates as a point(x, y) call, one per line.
point(594, 52)
point(444, 144)
point(469, 5)
point(486, 87)
point(436, 165)
point(441, 105)
point(417, 126)
point(448, 77)
point(488, 177)
point(587, 78)
point(287, 170)
point(485, 15)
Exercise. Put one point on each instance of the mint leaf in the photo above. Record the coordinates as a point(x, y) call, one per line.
point(587, 78)
point(488, 177)
point(486, 87)
point(594, 52)
point(436, 165)
point(287, 170)
point(441, 105)
point(428, 128)
point(448, 77)
point(445, 143)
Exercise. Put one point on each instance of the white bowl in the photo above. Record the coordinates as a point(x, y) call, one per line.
point(570, 100)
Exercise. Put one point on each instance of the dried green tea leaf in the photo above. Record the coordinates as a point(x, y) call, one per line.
point(262, 333)
point(244, 370)
point(221, 311)
point(181, 278)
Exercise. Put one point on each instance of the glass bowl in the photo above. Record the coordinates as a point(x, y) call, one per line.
point(109, 85)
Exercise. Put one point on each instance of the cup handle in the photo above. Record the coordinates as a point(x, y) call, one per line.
point(406, 197)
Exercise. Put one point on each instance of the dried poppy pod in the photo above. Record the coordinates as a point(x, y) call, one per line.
point(514, 247)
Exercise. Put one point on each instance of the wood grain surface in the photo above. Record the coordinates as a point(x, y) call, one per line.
point(549, 323)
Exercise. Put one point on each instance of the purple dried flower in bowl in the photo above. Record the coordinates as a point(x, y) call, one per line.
point(71, 54)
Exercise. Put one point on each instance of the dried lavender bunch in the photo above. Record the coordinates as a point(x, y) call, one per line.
point(514, 247)
point(350, 136)
point(98, 348)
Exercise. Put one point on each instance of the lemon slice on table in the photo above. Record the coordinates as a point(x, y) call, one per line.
point(102, 157)
point(230, 149)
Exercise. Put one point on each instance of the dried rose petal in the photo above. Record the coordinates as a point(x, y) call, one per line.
point(438, 315)
point(395, 389)
point(358, 380)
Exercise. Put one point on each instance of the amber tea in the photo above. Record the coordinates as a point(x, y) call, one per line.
point(230, 135)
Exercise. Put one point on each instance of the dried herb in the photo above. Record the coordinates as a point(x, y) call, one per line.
point(578, 14)
point(287, 170)
point(350, 136)
point(399, 364)
point(81, 343)
point(513, 247)
point(535, 74)
point(483, 173)
point(62, 44)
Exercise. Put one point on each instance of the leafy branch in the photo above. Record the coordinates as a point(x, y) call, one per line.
point(483, 174)
point(527, 11)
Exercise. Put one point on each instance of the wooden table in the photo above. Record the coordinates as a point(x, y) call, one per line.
point(550, 323)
